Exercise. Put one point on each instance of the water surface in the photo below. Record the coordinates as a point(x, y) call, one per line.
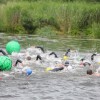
point(51, 86)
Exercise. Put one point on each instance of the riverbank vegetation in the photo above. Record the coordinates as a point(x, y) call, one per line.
point(79, 18)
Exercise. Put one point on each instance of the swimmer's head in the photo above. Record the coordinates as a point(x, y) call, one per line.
point(28, 71)
point(65, 58)
point(66, 63)
point(28, 58)
point(89, 72)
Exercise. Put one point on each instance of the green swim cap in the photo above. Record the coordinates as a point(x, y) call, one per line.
point(12, 46)
point(5, 63)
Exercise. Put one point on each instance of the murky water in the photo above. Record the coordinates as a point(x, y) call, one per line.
point(51, 86)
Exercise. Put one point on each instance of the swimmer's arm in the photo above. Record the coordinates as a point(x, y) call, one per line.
point(3, 52)
point(18, 61)
point(42, 49)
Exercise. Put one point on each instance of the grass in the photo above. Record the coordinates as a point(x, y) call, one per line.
point(71, 18)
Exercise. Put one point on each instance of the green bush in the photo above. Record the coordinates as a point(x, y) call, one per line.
point(46, 31)
point(70, 18)
point(28, 22)
point(94, 30)
point(13, 18)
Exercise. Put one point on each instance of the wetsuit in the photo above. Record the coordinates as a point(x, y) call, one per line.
point(57, 69)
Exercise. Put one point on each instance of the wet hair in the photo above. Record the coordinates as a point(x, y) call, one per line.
point(89, 72)
point(28, 58)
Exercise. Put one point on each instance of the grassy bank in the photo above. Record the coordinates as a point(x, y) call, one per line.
point(50, 17)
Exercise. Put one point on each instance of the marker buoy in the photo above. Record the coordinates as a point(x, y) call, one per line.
point(12, 46)
point(5, 63)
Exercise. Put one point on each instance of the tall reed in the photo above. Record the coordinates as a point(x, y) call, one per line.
point(70, 18)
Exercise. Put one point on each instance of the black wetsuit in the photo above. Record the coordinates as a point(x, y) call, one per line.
point(57, 69)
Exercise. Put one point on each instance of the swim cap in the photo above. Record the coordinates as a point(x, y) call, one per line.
point(48, 69)
point(28, 71)
point(12, 46)
point(66, 63)
point(65, 57)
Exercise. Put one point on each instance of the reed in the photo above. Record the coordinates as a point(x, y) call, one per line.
point(70, 18)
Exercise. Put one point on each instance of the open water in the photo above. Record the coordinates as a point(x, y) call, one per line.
point(43, 85)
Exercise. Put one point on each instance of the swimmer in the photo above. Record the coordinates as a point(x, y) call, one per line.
point(22, 69)
point(28, 58)
point(53, 53)
point(38, 58)
point(3, 52)
point(92, 56)
point(67, 52)
point(86, 63)
point(27, 70)
point(90, 72)
point(68, 67)
point(58, 67)
point(18, 66)
point(18, 61)
point(42, 49)
point(95, 58)
point(55, 67)
point(66, 55)
point(53, 58)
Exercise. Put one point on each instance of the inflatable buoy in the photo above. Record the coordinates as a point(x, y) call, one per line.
point(5, 63)
point(12, 46)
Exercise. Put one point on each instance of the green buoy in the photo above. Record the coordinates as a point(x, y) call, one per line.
point(5, 63)
point(12, 46)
